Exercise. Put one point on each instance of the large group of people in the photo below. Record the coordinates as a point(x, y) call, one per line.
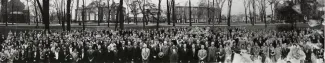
point(165, 45)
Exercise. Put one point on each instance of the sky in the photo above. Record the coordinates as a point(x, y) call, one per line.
point(237, 5)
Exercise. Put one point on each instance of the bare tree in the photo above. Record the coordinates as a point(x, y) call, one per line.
point(158, 14)
point(109, 13)
point(4, 4)
point(168, 12)
point(272, 2)
point(142, 4)
point(229, 12)
point(174, 14)
point(68, 15)
point(208, 8)
point(45, 13)
point(246, 5)
point(76, 12)
point(28, 15)
point(36, 13)
point(220, 4)
point(100, 9)
point(190, 10)
point(121, 15)
point(83, 15)
point(133, 5)
point(262, 8)
point(253, 12)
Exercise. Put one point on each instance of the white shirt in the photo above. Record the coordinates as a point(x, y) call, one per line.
point(56, 55)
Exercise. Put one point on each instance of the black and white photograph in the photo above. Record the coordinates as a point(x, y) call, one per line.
point(162, 31)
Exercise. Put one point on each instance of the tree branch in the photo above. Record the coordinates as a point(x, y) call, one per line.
point(39, 6)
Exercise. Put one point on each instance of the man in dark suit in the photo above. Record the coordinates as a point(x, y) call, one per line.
point(90, 55)
point(99, 56)
point(154, 53)
point(61, 55)
point(185, 53)
point(122, 53)
point(193, 53)
point(136, 53)
point(221, 54)
point(212, 53)
point(30, 54)
point(165, 50)
point(129, 52)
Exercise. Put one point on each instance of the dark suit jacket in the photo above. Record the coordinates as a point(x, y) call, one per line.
point(61, 56)
point(184, 55)
point(154, 52)
point(137, 54)
point(194, 55)
point(122, 54)
point(129, 53)
point(211, 53)
point(99, 56)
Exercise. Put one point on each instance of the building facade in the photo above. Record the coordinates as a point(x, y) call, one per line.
point(198, 14)
point(91, 12)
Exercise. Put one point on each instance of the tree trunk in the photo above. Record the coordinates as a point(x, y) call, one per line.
point(220, 16)
point(28, 17)
point(254, 13)
point(246, 20)
point(272, 11)
point(109, 13)
point(143, 13)
point(5, 11)
point(246, 2)
point(209, 18)
point(76, 11)
point(12, 15)
point(159, 5)
point(63, 17)
point(36, 14)
point(174, 14)
point(190, 12)
point(99, 15)
point(46, 15)
point(168, 12)
point(213, 15)
point(136, 19)
point(68, 15)
point(117, 19)
point(83, 15)
point(229, 12)
point(121, 15)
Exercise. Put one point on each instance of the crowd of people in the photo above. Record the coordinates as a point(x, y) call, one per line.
point(166, 45)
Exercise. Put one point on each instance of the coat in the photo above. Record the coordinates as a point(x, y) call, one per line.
point(212, 54)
